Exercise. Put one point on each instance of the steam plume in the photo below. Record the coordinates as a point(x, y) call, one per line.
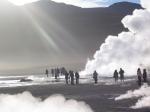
point(25, 102)
point(129, 50)
point(143, 94)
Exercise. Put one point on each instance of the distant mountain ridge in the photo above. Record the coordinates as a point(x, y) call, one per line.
point(125, 7)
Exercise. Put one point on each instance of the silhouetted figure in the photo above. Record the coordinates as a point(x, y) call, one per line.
point(69, 78)
point(66, 77)
point(57, 73)
point(46, 72)
point(116, 75)
point(121, 72)
point(77, 77)
point(63, 71)
point(52, 72)
point(139, 74)
point(72, 77)
point(144, 75)
point(95, 77)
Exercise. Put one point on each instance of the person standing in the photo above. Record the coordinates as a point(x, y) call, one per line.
point(77, 77)
point(116, 75)
point(72, 77)
point(121, 72)
point(66, 76)
point(56, 73)
point(139, 74)
point(46, 72)
point(144, 75)
point(95, 77)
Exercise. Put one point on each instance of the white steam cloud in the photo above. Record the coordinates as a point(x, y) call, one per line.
point(128, 50)
point(143, 93)
point(25, 102)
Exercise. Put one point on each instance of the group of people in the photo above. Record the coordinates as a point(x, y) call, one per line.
point(70, 76)
point(118, 75)
point(142, 77)
point(56, 72)
point(73, 77)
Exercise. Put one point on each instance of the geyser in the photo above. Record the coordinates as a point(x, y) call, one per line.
point(143, 94)
point(25, 102)
point(129, 50)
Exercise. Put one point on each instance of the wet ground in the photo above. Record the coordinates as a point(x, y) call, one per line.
point(99, 97)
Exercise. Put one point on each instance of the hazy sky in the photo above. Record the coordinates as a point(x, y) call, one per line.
point(80, 3)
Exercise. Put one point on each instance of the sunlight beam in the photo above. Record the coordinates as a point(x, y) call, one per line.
point(22, 2)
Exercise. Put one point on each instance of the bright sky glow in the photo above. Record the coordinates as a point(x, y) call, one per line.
point(93, 3)
point(21, 2)
point(79, 3)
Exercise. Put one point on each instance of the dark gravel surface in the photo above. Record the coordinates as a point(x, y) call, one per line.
point(99, 97)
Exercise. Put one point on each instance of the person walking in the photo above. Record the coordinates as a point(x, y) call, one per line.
point(144, 75)
point(77, 77)
point(116, 75)
point(95, 77)
point(52, 72)
point(66, 77)
point(139, 74)
point(46, 72)
point(121, 72)
point(72, 77)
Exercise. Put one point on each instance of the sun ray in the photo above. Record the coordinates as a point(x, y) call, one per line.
point(21, 2)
